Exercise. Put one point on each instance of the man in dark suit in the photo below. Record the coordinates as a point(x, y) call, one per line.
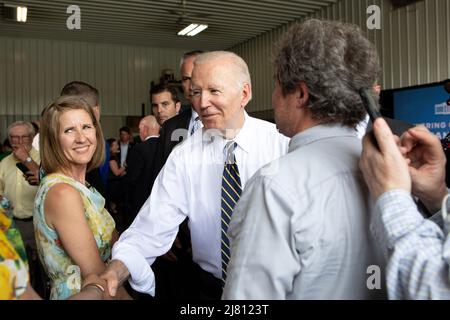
point(165, 102)
point(126, 143)
point(138, 181)
point(176, 129)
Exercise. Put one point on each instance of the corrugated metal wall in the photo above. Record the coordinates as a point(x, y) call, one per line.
point(413, 43)
point(33, 71)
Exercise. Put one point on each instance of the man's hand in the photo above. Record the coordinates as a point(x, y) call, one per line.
point(32, 177)
point(385, 168)
point(427, 166)
point(21, 153)
point(93, 278)
point(170, 255)
point(115, 275)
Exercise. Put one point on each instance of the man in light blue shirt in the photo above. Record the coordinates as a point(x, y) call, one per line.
point(418, 248)
point(301, 227)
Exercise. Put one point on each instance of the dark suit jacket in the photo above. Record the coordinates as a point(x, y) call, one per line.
point(94, 178)
point(180, 121)
point(138, 181)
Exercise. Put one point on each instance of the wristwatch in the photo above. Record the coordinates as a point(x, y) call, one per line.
point(28, 160)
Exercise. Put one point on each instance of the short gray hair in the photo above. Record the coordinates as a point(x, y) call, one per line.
point(189, 54)
point(27, 124)
point(335, 60)
point(241, 68)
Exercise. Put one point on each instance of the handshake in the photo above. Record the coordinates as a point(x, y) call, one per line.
point(107, 285)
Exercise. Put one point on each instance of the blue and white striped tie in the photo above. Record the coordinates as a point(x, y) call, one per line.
point(196, 125)
point(231, 192)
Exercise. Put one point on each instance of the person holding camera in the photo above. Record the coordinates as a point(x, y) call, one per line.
point(397, 171)
point(14, 172)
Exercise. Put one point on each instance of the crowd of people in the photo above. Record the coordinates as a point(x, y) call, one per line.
point(213, 203)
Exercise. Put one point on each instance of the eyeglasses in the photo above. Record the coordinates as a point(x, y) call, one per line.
point(20, 138)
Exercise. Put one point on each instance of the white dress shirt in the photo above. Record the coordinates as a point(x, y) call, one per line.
point(361, 128)
point(149, 137)
point(195, 122)
point(123, 153)
point(190, 185)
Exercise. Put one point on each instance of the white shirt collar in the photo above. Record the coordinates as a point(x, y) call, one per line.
point(243, 138)
point(194, 115)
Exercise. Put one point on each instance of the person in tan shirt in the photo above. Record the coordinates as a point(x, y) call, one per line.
point(12, 181)
point(14, 185)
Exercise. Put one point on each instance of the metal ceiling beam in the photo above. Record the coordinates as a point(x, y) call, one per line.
point(47, 9)
point(135, 21)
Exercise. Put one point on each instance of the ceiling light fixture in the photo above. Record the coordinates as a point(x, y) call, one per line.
point(22, 14)
point(15, 13)
point(192, 29)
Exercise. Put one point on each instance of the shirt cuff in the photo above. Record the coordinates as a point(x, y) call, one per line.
point(396, 214)
point(142, 278)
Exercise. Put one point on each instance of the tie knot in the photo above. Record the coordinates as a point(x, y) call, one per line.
point(229, 151)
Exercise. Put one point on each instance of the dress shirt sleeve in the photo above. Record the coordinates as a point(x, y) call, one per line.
point(419, 251)
point(264, 260)
point(438, 219)
point(155, 227)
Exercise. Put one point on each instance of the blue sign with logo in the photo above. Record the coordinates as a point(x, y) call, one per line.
point(426, 105)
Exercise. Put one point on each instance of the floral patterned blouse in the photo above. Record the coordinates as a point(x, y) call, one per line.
point(64, 274)
point(13, 262)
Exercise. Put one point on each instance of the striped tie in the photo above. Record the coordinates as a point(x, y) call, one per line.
point(231, 192)
point(196, 125)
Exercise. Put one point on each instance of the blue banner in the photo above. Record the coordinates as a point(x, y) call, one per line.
point(426, 105)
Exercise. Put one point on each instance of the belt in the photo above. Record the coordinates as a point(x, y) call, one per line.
point(24, 219)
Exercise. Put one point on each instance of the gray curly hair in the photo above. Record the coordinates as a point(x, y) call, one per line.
point(335, 60)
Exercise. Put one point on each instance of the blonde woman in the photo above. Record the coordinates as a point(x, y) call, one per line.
point(74, 232)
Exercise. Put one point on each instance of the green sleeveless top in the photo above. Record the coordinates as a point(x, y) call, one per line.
point(65, 276)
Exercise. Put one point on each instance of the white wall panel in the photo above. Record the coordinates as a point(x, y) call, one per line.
point(33, 71)
point(413, 43)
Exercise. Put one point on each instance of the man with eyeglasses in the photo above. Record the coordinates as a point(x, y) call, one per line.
point(14, 184)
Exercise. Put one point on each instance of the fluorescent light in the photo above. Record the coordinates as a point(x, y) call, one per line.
point(22, 14)
point(189, 28)
point(197, 30)
point(192, 29)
